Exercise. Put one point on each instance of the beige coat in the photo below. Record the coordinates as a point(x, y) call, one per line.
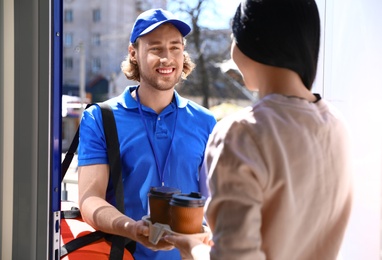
point(280, 182)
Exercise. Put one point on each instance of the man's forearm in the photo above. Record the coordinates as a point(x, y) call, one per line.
point(103, 216)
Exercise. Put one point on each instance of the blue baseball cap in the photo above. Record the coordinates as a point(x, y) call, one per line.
point(151, 19)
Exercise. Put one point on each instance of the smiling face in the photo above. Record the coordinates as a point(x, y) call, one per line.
point(160, 57)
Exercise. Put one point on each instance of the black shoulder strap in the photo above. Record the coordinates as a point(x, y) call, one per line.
point(80, 242)
point(113, 154)
point(111, 135)
point(112, 143)
point(71, 151)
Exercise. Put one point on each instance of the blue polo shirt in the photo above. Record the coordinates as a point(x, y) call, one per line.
point(193, 126)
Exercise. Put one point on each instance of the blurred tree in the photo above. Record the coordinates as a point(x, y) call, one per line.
point(206, 47)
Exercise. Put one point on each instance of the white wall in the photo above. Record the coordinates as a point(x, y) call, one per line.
point(350, 75)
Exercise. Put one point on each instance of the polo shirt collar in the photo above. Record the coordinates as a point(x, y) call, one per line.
point(181, 101)
point(131, 103)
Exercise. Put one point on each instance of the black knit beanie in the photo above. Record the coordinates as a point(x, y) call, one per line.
point(281, 33)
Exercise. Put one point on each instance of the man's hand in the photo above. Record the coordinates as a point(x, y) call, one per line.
point(141, 230)
point(101, 215)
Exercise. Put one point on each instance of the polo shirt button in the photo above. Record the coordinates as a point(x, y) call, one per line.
point(159, 118)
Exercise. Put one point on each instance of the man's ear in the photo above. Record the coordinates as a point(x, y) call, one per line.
point(132, 53)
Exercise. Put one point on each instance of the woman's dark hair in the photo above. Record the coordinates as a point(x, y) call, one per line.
point(281, 33)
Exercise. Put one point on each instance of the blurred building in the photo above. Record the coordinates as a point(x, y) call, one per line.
point(96, 36)
point(95, 41)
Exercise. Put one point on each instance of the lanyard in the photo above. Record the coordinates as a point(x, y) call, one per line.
point(159, 168)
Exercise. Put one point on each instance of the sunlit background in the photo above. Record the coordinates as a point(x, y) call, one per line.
point(349, 63)
point(96, 37)
point(95, 41)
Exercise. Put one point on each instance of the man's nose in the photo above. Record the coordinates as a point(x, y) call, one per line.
point(163, 59)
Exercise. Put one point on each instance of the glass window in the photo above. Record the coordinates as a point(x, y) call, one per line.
point(96, 39)
point(96, 64)
point(68, 63)
point(68, 15)
point(68, 39)
point(96, 15)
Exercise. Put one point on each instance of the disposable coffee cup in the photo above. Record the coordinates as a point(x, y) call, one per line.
point(186, 213)
point(159, 199)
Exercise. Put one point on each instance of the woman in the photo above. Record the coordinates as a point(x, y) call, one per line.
point(279, 172)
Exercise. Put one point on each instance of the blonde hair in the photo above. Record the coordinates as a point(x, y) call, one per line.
point(131, 70)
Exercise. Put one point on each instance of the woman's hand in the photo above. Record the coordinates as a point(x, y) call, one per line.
point(190, 247)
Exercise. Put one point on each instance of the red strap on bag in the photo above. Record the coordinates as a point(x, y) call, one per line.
point(98, 250)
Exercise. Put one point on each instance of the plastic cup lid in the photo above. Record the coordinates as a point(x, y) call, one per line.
point(163, 191)
point(192, 200)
